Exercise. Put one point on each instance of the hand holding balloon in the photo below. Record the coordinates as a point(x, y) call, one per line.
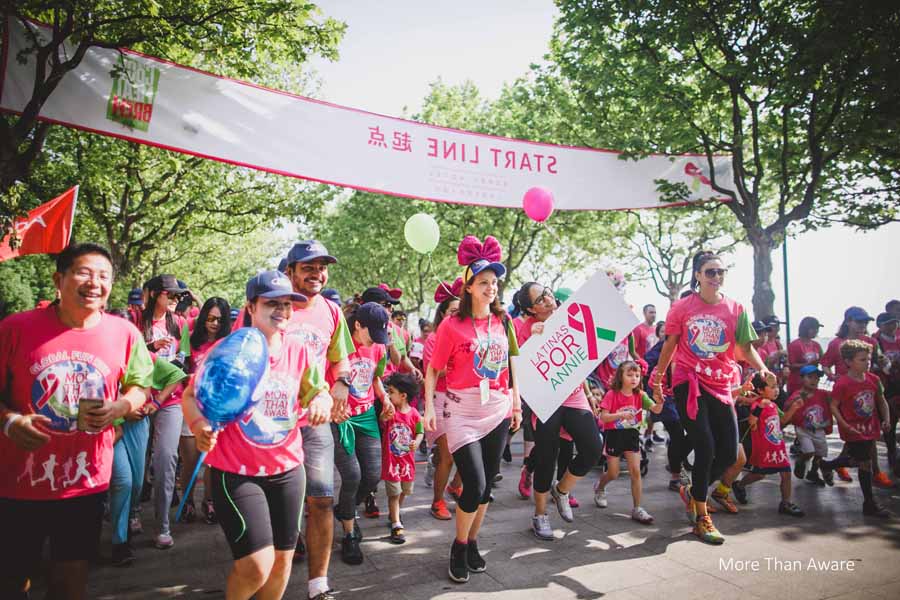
point(205, 437)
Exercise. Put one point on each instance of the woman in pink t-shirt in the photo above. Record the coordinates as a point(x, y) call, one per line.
point(258, 479)
point(447, 297)
point(707, 327)
point(575, 415)
point(473, 348)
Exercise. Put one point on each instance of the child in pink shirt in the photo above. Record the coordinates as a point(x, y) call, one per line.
point(402, 433)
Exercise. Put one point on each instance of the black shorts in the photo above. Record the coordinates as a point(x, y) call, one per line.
point(620, 441)
point(769, 470)
point(73, 526)
point(860, 451)
point(256, 512)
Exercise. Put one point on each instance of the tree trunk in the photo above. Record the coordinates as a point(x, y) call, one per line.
point(763, 296)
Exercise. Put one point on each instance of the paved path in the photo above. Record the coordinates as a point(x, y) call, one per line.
point(603, 554)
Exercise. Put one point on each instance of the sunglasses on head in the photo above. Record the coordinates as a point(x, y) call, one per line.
point(715, 272)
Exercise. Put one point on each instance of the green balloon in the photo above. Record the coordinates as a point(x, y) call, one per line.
point(422, 233)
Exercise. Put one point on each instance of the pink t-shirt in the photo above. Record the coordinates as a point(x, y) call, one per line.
point(577, 399)
point(767, 448)
point(45, 367)
point(398, 461)
point(815, 412)
point(801, 351)
point(268, 441)
point(365, 366)
point(427, 352)
point(832, 357)
point(891, 349)
point(856, 402)
point(644, 338)
point(615, 401)
point(470, 353)
point(158, 331)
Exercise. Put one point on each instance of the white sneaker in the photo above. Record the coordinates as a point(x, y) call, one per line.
point(540, 525)
point(600, 496)
point(164, 541)
point(562, 504)
point(641, 516)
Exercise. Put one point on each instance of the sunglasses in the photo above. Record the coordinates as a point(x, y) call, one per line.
point(715, 272)
point(213, 319)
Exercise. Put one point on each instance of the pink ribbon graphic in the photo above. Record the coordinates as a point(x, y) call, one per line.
point(587, 326)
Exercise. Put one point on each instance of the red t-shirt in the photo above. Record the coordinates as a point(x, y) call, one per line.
point(398, 461)
point(45, 367)
point(767, 440)
point(606, 370)
point(891, 349)
point(615, 401)
point(815, 412)
point(366, 363)
point(470, 353)
point(856, 403)
point(644, 338)
point(267, 441)
point(832, 357)
point(801, 351)
point(577, 399)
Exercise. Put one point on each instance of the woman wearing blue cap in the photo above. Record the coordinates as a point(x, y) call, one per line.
point(258, 478)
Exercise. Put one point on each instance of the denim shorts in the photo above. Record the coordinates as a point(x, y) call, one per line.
point(318, 452)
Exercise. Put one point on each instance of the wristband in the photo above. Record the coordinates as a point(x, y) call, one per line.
point(517, 411)
point(12, 418)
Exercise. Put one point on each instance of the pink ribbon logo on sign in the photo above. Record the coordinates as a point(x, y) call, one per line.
point(587, 325)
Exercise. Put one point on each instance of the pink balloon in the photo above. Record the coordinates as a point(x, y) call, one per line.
point(538, 204)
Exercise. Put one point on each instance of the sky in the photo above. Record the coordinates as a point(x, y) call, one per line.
point(394, 49)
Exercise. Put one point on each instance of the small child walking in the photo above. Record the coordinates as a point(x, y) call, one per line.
point(812, 422)
point(621, 413)
point(402, 433)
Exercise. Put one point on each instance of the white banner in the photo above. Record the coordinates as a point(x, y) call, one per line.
point(579, 335)
point(151, 101)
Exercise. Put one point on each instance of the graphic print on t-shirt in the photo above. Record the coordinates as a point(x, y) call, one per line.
point(488, 361)
point(362, 373)
point(276, 413)
point(630, 420)
point(814, 417)
point(400, 438)
point(314, 339)
point(864, 403)
point(773, 429)
point(706, 335)
point(618, 355)
point(56, 390)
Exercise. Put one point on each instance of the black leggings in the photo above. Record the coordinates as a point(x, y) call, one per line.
point(564, 458)
point(477, 462)
point(581, 425)
point(679, 445)
point(714, 436)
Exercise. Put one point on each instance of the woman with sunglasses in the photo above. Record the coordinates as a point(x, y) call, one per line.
point(575, 415)
point(212, 324)
point(710, 331)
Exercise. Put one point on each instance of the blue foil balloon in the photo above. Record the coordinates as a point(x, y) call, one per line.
point(229, 375)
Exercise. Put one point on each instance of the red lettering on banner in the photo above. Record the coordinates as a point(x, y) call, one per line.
point(560, 354)
point(449, 150)
point(551, 164)
point(126, 109)
point(526, 163)
point(510, 159)
point(376, 138)
point(432, 147)
point(496, 153)
point(537, 158)
point(402, 142)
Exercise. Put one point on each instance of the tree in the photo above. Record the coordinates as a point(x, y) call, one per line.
point(802, 95)
point(241, 38)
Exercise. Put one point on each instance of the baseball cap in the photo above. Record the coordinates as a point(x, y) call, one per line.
point(885, 318)
point(307, 250)
point(135, 296)
point(331, 294)
point(416, 350)
point(772, 321)
point(282, 265)
point(375, 318)
point(378, 295)
point(811, 369)
point(272, 284)
point(166, 283)
point(481, 264)
point(856, 313)
point(759, 326)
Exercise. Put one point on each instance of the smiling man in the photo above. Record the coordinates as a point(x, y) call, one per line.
point(56, 455)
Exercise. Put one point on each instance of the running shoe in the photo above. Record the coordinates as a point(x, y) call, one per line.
point(843, 474)
point(326, 595)
point(122, 555)
point(707, 532)
point(725, 502)
point(641, 516)
point(439, 511)
point(190, 513)
point(648, 444)
point(562, 503)
point(813, 477)
point(573, 501)
point(685, 477)
point(350, 551)
point(507, 454)
point(800, 468)
point(658, 439)
point(828, 477)
point(164, 541)
point(429, 471)
point(525, 484)
point(209, 512)
point(371, 511)
point(873, 509)
point(134, 526)
point(540, 526)
point(795, 448)
point(458, 571)
point(474, 561)
point(498, 477)
point(455, 492)
point(740, 492)
point(789, 508)
point(690, 509)
point(882, 480)
point(397, 536)
point(600, 496)
point(674, 485)
point(357, 532)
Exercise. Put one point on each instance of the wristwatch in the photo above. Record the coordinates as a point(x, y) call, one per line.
point(343, 379)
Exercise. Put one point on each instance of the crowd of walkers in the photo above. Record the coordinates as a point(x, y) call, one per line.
point(99, 413)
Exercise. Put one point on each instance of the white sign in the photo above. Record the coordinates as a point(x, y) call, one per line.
point(150, 101)
point(580, 334)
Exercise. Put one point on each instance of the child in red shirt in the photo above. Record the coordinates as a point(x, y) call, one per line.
point(402, 433)
point(812, 421)
point(854, 401)
point(768, 454)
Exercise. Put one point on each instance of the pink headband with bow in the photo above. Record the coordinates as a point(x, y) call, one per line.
point(445, 291)
point(394, 293)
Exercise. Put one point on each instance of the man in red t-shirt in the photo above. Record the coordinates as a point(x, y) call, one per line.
point(57, 449)
point(645, 333)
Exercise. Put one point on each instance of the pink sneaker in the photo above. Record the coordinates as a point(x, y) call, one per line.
point(573, 501)
point(525, 484)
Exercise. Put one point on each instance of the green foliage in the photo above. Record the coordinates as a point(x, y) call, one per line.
point(24, 281)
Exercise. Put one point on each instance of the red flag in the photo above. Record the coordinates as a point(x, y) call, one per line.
point(46, 230)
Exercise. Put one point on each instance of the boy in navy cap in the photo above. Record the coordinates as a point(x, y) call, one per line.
point(812, 422)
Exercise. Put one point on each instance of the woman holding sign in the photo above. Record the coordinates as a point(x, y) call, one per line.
point(473, 349)
point(706, 327)
point(575, 415)
point(258, 479)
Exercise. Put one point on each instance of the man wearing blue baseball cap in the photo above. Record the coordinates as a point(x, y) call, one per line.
point(324, 330)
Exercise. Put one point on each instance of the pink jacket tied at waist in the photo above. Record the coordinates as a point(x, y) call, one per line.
point(681, 375)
